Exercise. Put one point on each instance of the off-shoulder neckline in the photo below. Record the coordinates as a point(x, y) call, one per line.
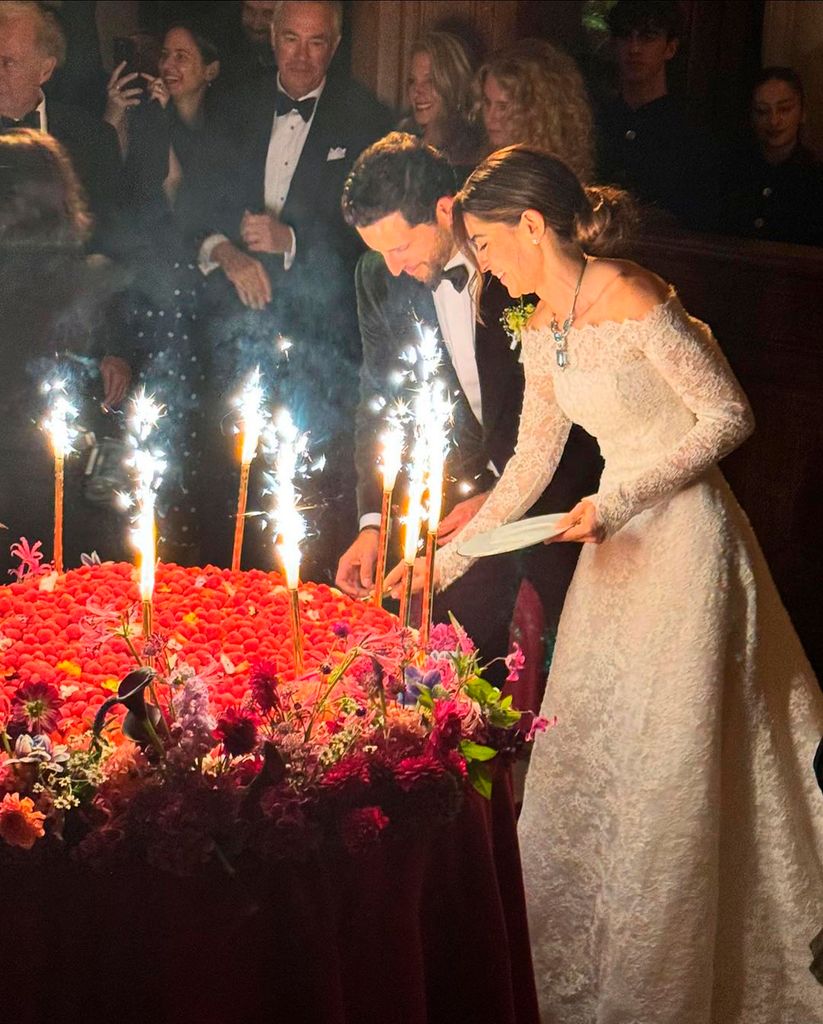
point(651, 314)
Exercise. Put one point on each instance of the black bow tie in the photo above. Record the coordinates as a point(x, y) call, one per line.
point(31, 120)
point(458, 276)
point(284, 104)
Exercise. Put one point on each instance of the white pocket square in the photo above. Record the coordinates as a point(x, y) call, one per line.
point(336, 153)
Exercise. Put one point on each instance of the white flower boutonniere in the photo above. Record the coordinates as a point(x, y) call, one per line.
point(514, 319)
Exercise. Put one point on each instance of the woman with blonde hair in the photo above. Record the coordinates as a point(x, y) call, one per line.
point(533, 93)
point(441, 97)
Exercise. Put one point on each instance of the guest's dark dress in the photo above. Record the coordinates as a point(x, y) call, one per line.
point(55, 323)
point(162, 307)
point(780, 202)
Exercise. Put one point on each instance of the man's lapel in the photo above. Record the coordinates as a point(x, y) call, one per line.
point(307, 180)
point(497, 365)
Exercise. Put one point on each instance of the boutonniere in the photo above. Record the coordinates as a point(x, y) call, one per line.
point(514, 319)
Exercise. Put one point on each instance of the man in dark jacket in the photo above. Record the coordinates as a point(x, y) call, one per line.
point(399, 197)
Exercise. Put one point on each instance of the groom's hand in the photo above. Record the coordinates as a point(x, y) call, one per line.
point(355, 570)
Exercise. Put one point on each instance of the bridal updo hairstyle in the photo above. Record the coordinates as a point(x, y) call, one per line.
point(596, 218)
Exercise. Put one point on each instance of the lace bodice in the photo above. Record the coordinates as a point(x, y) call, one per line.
point(657, 393)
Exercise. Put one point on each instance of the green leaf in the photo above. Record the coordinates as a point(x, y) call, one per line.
point(476, 751)
point(481, 778)
point(481, 690)
point(424, 698)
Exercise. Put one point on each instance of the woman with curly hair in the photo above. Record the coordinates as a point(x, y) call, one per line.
point(441, 98)
point(533, 93)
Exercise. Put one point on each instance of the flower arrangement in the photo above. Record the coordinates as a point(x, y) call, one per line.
point(514, 319)
point(197, 743)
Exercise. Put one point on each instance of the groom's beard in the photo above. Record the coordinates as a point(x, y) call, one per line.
point(431, 272)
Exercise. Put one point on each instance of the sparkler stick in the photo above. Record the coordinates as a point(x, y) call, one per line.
point(57, 426)
point(392, 451)
point(250, 403)
point(148, 469)
point(291, 527)
point(435, 427)
point(414, 511)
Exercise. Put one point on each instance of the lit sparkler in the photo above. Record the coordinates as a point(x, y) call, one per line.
point(414, 508)
point(290, 526)
point(250, 404)
point(59, 427)
point(148, 467)
point(435, 426)
point(391, 456)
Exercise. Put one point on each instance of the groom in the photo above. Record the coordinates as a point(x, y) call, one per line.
point(399, 196)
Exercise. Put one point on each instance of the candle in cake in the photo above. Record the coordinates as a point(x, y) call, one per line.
point(148, 466)
point(436, 445)
point(58, 427)
point(390, 457)
point(289, 523)
point(250, 404)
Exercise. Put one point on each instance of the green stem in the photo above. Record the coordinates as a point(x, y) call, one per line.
point(155, 739)
point(5, 740)
point(321, 703)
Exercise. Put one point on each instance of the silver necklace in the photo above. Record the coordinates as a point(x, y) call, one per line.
point(560, 334)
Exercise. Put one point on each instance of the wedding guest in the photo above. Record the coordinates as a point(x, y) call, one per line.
point(533, 92)
point(54, 325)
point(31, 47)
point(647, 142)
point(279, 261)
point(439, 91)
point(163, 138)
point(399, 197)
point(774, 187)
point(671, 831)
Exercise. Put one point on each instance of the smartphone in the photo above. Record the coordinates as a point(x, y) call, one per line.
point(126, 49)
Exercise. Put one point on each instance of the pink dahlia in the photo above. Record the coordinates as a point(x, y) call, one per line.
point(35, 709)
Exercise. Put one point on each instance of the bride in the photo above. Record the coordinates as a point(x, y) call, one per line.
point(672, 833)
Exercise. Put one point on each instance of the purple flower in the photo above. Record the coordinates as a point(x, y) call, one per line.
point(417, 681)
point(194, 725)
point(35, 708)
point(263, 683)
point(237, 731)
point(341, 630)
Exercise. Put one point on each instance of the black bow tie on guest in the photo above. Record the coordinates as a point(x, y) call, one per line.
point(458, 276)
point(284, 104)
point(31, 120)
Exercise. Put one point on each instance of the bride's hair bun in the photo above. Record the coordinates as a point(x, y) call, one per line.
point(605, 220)
point(597, 218)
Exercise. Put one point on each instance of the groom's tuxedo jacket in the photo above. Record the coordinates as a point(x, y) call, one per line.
point(389, 311)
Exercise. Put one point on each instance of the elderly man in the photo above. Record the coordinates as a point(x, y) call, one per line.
point(31, 47)
point(280, 259)
point(399, 197)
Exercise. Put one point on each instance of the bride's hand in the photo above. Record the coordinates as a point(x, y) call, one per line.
point(580, 525)
point(394, 581)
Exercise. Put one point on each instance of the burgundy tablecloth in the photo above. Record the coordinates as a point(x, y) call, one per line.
point(428, 931)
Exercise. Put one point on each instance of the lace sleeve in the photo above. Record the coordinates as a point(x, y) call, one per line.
point(541, 438)
point(687, 356)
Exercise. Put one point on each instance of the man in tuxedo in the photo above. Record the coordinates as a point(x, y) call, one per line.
point(279, 260)
point(399, 197)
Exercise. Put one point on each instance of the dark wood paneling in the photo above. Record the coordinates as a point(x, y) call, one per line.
point(764, 302)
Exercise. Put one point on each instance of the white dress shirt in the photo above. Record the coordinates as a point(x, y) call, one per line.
point(288, 136)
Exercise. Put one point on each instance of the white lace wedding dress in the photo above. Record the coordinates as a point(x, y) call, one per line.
point(672, 831)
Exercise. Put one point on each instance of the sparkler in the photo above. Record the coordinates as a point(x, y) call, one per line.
point(290, 524)
point(250, 404)
point(392, 452)
point(148, 468)
point(436, 446)
point(414, 508)
point(58, 426)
